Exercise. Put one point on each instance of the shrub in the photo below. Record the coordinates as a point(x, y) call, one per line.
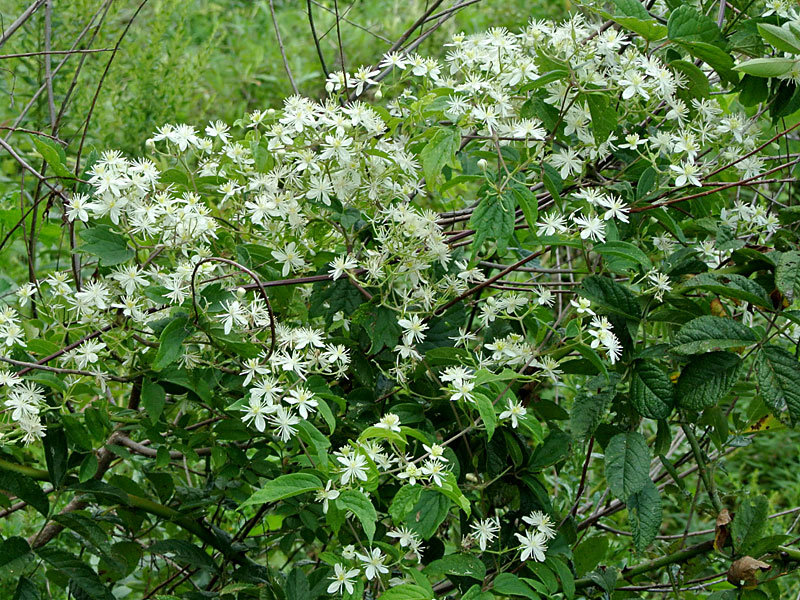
point(485, 326)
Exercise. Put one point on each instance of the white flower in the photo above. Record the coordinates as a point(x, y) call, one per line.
point(404, 536)
point(687, 173)
point(591, 227)
point(390, 421)
point(485, 531)
point(257, 411)
point(542, 523)
point(373, 563)
point(515, 410)
point(303, 399)
point(340, 265)
point(326, 494)
point(533, 545)
point(290, 257)
point(284, 423)
point(342, 579)
point(414, 329)
point(354, 468)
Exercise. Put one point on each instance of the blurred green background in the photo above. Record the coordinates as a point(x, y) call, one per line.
point(206, 59)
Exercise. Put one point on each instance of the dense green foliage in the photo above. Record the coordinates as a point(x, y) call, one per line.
point(511, 313)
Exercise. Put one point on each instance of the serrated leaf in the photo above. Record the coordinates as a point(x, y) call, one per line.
point(651, 390)
point(624, 250)
point(787, 275)
point(439, 151)
point(729, 286)
point(604, 116)
point(13, 548)
point(184, 552)
point(493, 219)
point(111, 248)
point(170, 346)
point(153, 399)
point(611, 297)
point(644, 513)
point(697, 80)
point(590, 405)
point(707, 379)
point(708, 333)
point(687, 24)
point(26, 489)
point(53, 154)
point(462, 565)
point(285, 486)
point(627, 463)
point(528, 203)
point(778, 375)
point(508, 584)
point(403, 501)
point(358, 503)
point(486, 411)
point(749, 523)
point(406, 591)
point(428, 513)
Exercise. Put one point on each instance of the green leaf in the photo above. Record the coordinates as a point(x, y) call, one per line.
point(13, 548)
point(56, 454)
point(611, 297)
point(493, 219)
point(778, 375)
point(508, 584)
point(766, 67)
point(486, 411)
point(604, 116)
point(285, 486)
point(589, 553)
point(749, 523)
point(696, 79)
point(428, 513)
point(406, 591)
point(25, 489)
point(544, 79)
point(171, 342)
point(380, 323)
point(111, 248)
point(686, 24)
point(651, 390)
point(82, 578)
point(556, 447)
point(708, 333)
point(627, 464)
point(403, 501)
point(706, 379)
point(729, 286)
point(439, 151)
point(53, 154)
point(781, 38)
point(297, 587)
point(153, 400)
point(590, 405)
point(462, 565)
point(552, 180)
point(26, 590)
point(358, 503)
point(565, 575)
point(787, 275)
point(184, 552)
point(528, 203)
point(644, 513)
point(624, 250)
